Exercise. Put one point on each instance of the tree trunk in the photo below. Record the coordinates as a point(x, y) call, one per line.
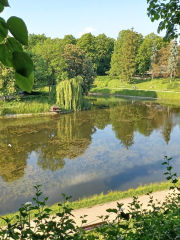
point(171, 77)
point(49, 90)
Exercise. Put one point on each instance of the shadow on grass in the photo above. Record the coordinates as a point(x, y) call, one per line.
point(126, 92)
point(140, 80)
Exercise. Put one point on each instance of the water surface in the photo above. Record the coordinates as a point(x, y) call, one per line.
point(89, 152)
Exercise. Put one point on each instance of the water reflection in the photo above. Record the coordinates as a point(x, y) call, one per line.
point(67, 136)
point(87, 152)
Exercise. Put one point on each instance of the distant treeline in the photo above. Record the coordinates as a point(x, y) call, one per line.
point(88, 56)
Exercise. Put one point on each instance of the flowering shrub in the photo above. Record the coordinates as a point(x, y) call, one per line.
point(159, 221)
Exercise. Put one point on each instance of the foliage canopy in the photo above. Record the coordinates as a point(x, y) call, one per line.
point(168, 12)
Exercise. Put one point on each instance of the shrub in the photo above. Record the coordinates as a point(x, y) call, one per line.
point(3, 111)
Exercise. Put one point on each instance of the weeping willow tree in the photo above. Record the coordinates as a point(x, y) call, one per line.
point(70, 94)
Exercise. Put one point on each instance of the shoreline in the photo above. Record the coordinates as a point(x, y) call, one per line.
point(139, 94)
point(32, 114)
point(118, 95)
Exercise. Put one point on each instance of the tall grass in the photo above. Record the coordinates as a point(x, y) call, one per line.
point(30, 104)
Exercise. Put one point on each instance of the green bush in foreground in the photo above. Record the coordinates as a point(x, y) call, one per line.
point(159, 221)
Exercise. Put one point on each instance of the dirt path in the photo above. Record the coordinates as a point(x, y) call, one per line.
point(100, 210)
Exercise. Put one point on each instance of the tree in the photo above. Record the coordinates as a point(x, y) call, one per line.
point(129, 51)
point(88, 44)
point(104, 48)
point(69, 39)
point(8, 86)
point(77, 64)
point(145, 52)
point(11, 51)
point(34, 39)
point(69, 93)
point(160, 64)
point(153, 56)
point(125, 50)
point(40, 71)
point(116, 67)
point(169, 12)
point(173, 59)
point(51, 52)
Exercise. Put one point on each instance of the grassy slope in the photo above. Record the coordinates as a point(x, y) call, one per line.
point(148, 84)
point(111, 196)
point(139, 93)
point(157, 88)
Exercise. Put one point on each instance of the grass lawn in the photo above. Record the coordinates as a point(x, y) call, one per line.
point(148, 84)
point(37, 102)
point(156, 88)
point(29, 104)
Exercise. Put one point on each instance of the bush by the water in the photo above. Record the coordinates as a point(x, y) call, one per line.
point(160, 221)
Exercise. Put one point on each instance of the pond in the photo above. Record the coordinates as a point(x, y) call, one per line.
point(117, 145)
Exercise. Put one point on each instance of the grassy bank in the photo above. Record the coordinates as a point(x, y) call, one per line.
point(140, 83)
point(31, 104)
point(104, 198)
point(139, 93)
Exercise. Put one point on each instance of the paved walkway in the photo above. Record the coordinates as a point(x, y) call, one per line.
point(100, 210)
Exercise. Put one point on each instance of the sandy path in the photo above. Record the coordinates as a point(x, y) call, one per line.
point(100, 210)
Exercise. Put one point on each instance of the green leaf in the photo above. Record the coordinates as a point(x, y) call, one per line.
point(24, 83)
point(4, 3)
point(13, 45)
point(3, 30)
point(174, 181)
point(18, 29)
point(125, 227)
point(1, 8)
point(48, 210)
point(168, 178)
point(22, 63)
point(5, 56)
point(113, 210)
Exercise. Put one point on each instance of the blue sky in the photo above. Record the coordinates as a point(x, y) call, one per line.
point(57, 18)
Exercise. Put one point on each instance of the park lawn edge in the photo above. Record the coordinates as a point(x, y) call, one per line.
point(103, 198)
point(137, 93)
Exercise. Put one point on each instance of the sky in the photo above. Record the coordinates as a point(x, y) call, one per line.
point(62, 17)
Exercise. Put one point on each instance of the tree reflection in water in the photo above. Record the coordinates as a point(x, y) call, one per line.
point(68, 136)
